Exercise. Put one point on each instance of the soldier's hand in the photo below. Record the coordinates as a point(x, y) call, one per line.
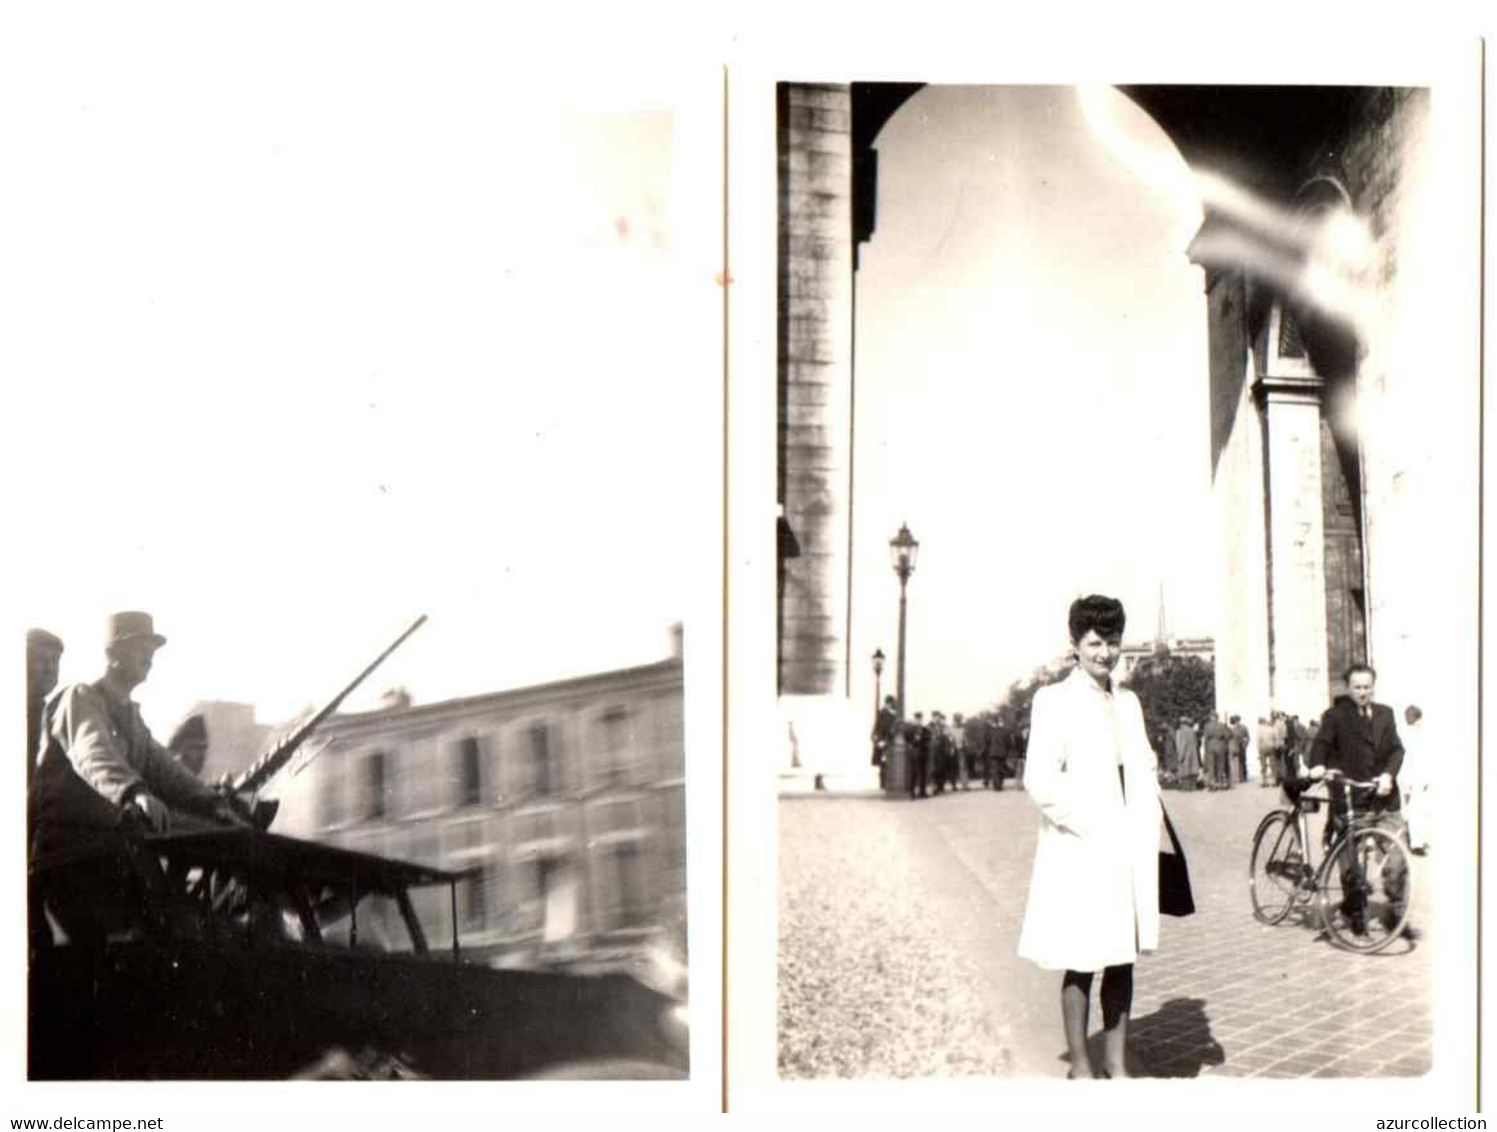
point(155, 811)
point(1384, 784)
point(1317, 773)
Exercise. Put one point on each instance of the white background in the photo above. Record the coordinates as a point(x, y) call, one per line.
point(1175, 48)
point(611, 52)
point(320, 317)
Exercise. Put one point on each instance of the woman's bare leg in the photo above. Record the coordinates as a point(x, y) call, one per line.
point(1075, 997)
point(1117, 1003)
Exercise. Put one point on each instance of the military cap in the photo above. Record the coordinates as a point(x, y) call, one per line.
point(130, 626)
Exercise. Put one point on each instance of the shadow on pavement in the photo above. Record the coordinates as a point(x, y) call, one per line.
point(1174, 1041)
point(1308, 920)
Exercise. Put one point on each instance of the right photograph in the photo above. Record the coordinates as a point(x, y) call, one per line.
point(1127, 495)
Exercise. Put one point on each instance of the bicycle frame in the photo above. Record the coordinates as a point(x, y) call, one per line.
point(1328, 884)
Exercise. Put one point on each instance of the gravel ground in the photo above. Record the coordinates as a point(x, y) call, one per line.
point(868, 986)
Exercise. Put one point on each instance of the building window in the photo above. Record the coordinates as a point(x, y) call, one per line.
point(630, 874)
point(616, 745)
point(330, 796)
point(473, 899)
point(541, 753)
point(470, 772)
point(374, 786)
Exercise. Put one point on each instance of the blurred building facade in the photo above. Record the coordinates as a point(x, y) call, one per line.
point(567, 799)
point(1203, 648)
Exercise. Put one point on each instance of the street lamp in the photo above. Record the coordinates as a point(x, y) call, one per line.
point(903, 549)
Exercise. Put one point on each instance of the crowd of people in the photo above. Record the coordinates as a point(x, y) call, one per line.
point(1211, 753)
point(943, 756)
point(1215, 753)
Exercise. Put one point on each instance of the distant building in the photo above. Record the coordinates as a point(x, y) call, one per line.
point(568, 798)
point(1201, 647)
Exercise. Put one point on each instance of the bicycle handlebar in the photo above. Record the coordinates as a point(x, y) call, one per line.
point(1337, 776)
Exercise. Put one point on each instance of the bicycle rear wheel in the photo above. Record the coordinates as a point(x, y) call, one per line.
point(1365, 891)
point(1277, 868)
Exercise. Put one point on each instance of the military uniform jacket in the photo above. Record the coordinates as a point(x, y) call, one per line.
point(95, 753)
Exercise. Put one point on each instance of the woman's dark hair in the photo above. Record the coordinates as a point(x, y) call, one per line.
point(1104, 614)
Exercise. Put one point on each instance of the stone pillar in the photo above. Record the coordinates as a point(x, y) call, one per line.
point(815, 424)
point(1298, 655)
point(1239, 534)
point(815, 381)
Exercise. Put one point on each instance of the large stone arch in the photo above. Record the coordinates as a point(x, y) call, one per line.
point(1296, 490)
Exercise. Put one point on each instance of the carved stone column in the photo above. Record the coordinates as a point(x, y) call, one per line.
point(1298, 654)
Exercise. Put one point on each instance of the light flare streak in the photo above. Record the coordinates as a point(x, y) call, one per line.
point(1322, 258)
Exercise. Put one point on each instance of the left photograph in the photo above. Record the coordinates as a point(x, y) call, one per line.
point(362, 576)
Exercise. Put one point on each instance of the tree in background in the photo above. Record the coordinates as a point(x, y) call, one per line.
point(1170, 687)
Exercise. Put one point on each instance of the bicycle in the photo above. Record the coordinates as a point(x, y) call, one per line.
point(1282, 875)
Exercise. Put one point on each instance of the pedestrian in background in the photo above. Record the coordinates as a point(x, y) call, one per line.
point(43, 658)
point(1094, 893)
point(959, 749)
point(917, 739)
point(1216, 739)
point(1414, 779)
point(940, 752)
point(884, 728)
point(1243, 741)
point(1188, 754)
point(1268, 752)
point(996, 757)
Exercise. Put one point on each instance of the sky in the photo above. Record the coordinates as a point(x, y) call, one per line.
point(303, 359)
point(1031, 389)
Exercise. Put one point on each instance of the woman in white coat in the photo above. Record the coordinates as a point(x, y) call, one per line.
point(1094, 894)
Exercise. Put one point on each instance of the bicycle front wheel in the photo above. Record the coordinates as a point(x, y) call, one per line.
point(1366, 890)
point(1277, 867)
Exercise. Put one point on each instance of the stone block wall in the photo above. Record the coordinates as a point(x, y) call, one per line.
point(815, 322)
point(1417, 405)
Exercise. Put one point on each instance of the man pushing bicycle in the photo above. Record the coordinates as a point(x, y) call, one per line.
point(1358, 739)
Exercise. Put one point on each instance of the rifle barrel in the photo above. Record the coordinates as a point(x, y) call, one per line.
point(280, 754)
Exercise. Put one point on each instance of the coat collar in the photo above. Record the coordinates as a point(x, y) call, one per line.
point(1079, 679)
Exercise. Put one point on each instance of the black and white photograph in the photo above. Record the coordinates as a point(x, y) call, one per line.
point(365, 562)
point(1126, 583)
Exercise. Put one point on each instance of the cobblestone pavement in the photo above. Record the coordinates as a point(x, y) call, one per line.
point(899, 922)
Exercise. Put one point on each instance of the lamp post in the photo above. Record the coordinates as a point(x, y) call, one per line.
point(880, 756)
point(903, 548)
point(878, 673)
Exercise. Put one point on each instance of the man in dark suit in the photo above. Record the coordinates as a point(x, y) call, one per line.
point(995, 766)
point(884, 729)
point(1360, 739)
point(917, 739)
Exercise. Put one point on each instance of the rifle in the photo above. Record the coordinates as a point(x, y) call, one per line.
point(265, 767)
